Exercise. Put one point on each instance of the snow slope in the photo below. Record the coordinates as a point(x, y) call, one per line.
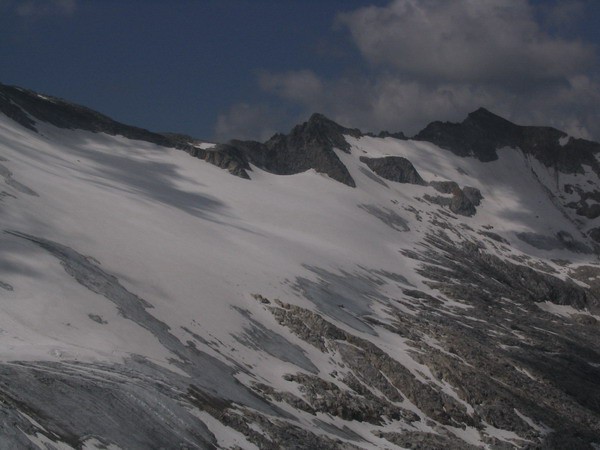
point(125, 262)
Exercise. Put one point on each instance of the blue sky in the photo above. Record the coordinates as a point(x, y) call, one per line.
point(218, 69)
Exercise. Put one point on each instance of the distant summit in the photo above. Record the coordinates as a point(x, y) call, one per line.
point(308, 146)
point(482, 133)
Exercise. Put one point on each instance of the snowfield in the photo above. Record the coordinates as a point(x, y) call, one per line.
point(128, 264)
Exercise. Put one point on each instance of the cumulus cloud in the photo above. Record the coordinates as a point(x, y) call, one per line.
point(456, 56)
point(246, 121)
point(383, 102)
point(302, 86)
point(390, 102)
point(463, 40)
point(426, 60)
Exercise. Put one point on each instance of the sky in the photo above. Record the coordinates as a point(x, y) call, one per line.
point(222, 69)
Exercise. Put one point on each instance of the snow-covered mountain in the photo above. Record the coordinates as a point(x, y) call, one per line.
point(324, 289)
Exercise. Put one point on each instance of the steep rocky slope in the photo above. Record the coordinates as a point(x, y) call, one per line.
point(342, 290)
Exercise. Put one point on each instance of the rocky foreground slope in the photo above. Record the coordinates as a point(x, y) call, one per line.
point(335, 289)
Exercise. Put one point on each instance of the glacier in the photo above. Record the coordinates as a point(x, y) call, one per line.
point(151, 298)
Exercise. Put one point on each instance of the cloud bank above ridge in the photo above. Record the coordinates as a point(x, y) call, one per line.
point(418, 61)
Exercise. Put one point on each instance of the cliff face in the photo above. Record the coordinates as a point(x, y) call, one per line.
point(482, 133)
point(308, 146)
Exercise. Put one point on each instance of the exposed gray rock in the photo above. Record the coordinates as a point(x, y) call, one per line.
point(308, 146)
point(512, 333)
point(588, 204)
point(438, 200)
point(329, 398)
point(445, 187)
point(371, 366)
point(225, 157)
point(594, 233)
point(384, 134)
point(463, 201)
point(473, 194)
point(482, 133)
point(418, 440)
point(98, 319)
point(279, 434)
point(461, 204)
point(394, 168)
point(458, 203)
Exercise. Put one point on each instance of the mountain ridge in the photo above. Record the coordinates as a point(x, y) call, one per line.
point(480, 135)
point(149, 299)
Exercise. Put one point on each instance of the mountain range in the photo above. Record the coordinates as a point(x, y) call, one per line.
point(328, 288)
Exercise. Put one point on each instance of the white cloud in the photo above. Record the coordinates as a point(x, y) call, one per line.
point(464, 40)
point(439, 60)
point(385, 102)
point(245, 121)
point(302, 86)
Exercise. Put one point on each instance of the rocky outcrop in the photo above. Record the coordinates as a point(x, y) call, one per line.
point(462, 205)
point(473, 194)
point(594, 233)
point(226, 157)
point(385, 134)
point(536, 364)
point(462, 202)
point(588, 204)
point(426, 441)
point(445, 187)
point(482, 133)
point(394, 168)
point(308, 146)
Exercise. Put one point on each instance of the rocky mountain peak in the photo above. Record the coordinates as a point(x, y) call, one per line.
point(309, 145)
point(490, 122)
point(479, 135)
point(483, 114)
point(482, 133)
point(320, 130)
